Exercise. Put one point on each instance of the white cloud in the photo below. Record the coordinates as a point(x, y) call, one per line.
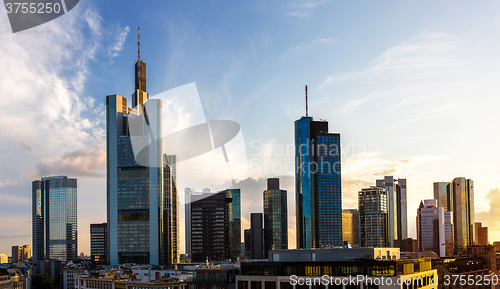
point(308, 46)
point(119, 36)
point(302, 8)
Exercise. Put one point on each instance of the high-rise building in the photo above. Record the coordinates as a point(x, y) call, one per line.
point(397, 207)
point(4, 259)
point(434, 228)
point(350, 226)
point(215, 226)
point(21, 253)
point(99, 243)
point(443, 195)
point(463, 213)
point(318, 185)
point(481, 234)
point(135, 179)
point(170, 211)
point(55, 227)
point(188, 193)
point(373, 217)
point(256, 236)
point(275, 217)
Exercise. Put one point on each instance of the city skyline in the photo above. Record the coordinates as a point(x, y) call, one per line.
point(418, 79)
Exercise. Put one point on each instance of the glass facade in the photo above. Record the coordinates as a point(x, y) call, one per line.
point(135, 192)
point(55, 227)
point(99, 243)
point(373, 218)
point(318, 185)
point(397, 207)
point(215, 226)
point(434, 228)
point(463, 213)
point(275, 218)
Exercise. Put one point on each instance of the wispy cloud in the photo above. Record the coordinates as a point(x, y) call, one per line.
point(302, 9)
point(119, 36)
point(307, 47)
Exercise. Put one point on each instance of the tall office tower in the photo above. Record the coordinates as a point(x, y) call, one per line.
point(55, 229)
point(256, 236)
point(170, 212)
point(134, 184)
point(350, 226)
point(247, 236)
point(99, 243)
point(481, 234)
point(21, 253)
point(275, 217)
point(215, 226)
point(397, 208)
point(373, 217)
point(444, 196)
point(463, 213)
point(434, 228)
point(188, 193)
point(318, 185)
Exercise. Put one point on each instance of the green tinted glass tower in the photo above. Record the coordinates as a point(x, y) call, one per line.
point(275, 217)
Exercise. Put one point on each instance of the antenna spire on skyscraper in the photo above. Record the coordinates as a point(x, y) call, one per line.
point(138, 43)
point(307, 110)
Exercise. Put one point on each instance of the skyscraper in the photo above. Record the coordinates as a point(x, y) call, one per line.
point(256, 236)
point(318, 185)
point(463, 213)
point(373, 217)
point(275, 217)
point(135, 182)
point(397, 208)
point(188, 193)
point(170, 211)
point(350, 226)
point(215, 226)
point(55, 228)
point(443, 194)
point(21, 253)
point(434, 228)
point(458, 197)
point(99, 243)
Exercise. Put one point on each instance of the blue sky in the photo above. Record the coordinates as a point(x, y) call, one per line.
point(412, 86)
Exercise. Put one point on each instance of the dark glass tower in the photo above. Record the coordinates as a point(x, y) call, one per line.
point(275, 217)
point(318, 185)
point(55, 228)
point(170, 211)
point(99, 243)
point(373, 217)
point(215, 226)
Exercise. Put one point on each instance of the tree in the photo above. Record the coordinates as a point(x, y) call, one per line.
point(43, 281)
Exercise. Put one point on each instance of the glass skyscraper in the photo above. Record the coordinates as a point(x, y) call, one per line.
point(141, 183)
point(275, 217)
point(373, 217)
point(397, 207)
point(215, 226)
point(318, 185)
point(463, 213)
point(55, 227)
point(458, 197)
point(434, 228)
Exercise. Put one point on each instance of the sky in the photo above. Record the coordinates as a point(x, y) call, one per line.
point(411, 86)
